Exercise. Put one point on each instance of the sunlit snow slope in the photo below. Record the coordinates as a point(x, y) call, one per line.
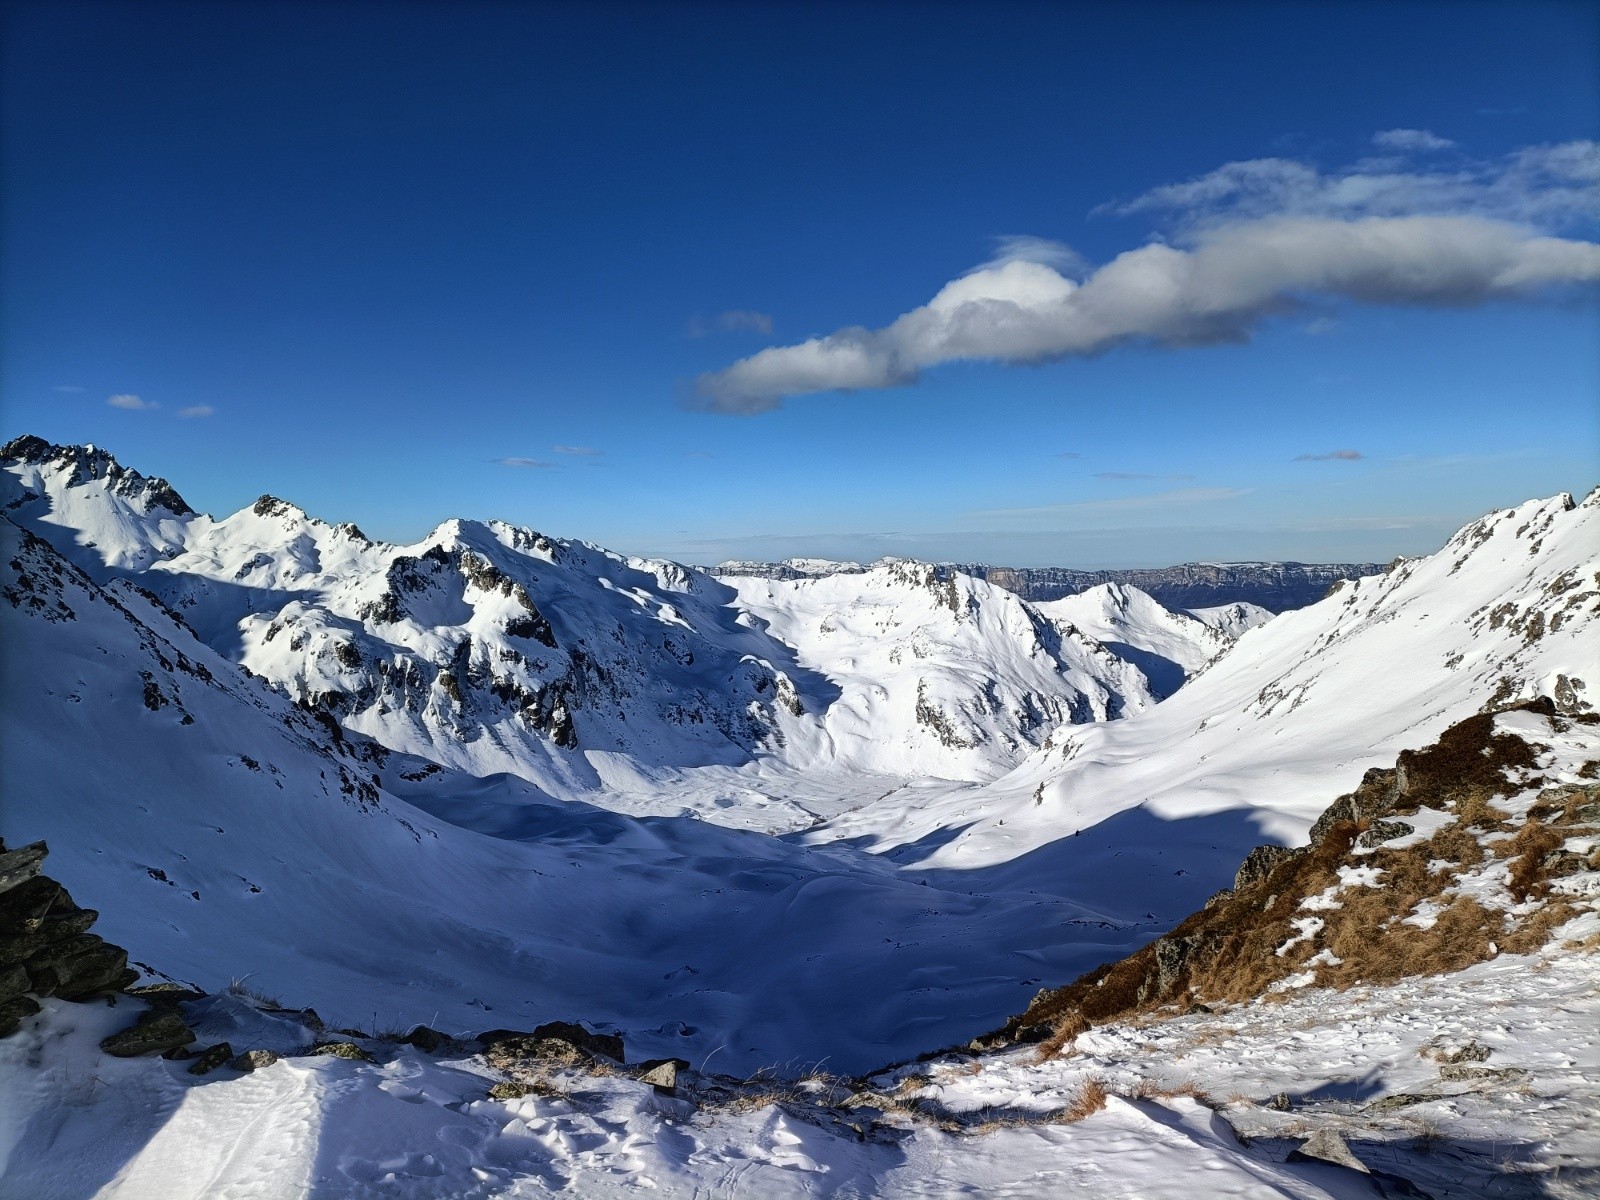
point(1300, 707)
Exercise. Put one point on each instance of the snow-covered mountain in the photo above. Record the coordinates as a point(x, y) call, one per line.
point(1232, 619)
point(497, 649)
point(1168, 647)
point(939, 674)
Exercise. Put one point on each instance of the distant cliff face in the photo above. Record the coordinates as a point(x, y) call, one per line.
point(1275, 586)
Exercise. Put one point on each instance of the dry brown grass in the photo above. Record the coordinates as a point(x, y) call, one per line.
point(1149, 1089)
point(1533, 841)
point(1066, 1031)
point(1091, 1098)
point(1228, 951)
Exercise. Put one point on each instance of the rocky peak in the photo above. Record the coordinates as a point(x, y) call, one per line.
point(77, 465)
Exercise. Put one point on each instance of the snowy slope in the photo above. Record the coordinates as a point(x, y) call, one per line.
point(1168, 647)
point(1300, 707)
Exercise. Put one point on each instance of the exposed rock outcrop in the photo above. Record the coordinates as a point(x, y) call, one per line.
point(1371, 899)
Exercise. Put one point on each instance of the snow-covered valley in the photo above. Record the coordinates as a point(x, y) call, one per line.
point(806, 826)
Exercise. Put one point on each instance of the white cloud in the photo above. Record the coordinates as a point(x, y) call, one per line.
point(131, 403)
point(1546, 187)
point(1413, 140)
point(197, 410)
point(525, 463)
point(735, 320)
point(580, 451)
point(1254, 239)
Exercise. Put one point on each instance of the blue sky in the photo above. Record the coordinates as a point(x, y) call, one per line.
point(399, 263)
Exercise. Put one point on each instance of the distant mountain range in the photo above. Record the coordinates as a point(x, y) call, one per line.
point(1275, 586)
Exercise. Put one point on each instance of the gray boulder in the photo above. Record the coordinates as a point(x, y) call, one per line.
point(253, 1060)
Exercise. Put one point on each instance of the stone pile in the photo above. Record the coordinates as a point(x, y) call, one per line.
point(46, 948)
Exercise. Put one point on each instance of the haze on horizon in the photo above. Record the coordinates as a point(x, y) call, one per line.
point(1089, 285)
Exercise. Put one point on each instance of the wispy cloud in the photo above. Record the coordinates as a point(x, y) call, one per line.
point(1331, 456)
point(1245, 242)
point(580, 451)
point(735, 320)
point(197, 410)
point(1069, 454)
point(1411, 140)
point(526, 463)
point(1120, 475)
point(131, 402)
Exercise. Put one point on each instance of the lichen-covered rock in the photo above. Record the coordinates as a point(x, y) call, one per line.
point(608, 1044)
point(347, 1050)
point(19, 866)
point(211, 1058)
point(150, 1034)
point(1261, 862)
point(561, 1041)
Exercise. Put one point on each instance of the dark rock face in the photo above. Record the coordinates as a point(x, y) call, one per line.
point(1260, 862)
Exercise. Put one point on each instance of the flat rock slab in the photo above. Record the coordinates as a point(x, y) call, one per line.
point(150, 1034)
